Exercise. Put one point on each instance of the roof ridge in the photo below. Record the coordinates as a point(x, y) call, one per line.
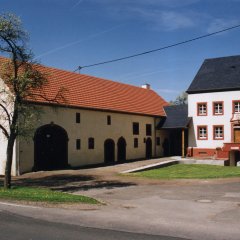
point(214, 58)
point(99, 93)
point(86, 75)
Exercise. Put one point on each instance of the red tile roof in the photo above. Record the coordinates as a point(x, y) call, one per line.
point(100, 94)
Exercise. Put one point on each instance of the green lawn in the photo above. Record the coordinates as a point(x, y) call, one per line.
point(190, 171)
point(43, 195)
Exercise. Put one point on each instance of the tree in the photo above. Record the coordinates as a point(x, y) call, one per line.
point(21, 81)
point(182, 99)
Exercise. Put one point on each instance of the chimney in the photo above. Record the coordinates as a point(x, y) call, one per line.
point(146, 86)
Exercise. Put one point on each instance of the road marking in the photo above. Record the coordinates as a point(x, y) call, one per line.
point(204, 201)
point(19, 205)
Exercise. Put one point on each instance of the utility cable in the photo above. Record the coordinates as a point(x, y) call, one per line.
point(158, 49)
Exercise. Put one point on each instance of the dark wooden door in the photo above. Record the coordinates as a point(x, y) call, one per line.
point(50, 148)
point(148, 148)
point(121, 154)
point(109, 151)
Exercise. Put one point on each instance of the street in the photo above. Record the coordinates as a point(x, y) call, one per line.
point(197, 209)
point(16, 227)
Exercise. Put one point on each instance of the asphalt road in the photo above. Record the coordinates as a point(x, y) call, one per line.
point(16, 227)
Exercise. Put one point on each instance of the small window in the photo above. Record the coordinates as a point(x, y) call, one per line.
point(78, 144)
point(218, 133)
point(135, 128)
point(158, 141)
point(109, 120)
point(202, 133)
point(78, 118)
point(91, 143)
point(202, 109)
point(135, 142)
point(218, 108)
point(149, 129)
point(236, 106)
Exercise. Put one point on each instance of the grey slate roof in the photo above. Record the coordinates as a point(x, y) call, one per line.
point(176, 117)
point(217, 74)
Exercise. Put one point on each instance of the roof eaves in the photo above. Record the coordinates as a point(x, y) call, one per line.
point(212, 90)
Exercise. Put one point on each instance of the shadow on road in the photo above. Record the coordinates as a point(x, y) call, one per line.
point(71, 183)
point(96, 185)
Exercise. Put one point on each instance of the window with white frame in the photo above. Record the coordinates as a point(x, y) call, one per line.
point(218, 108)
point(236, 106)
point(202, 109)
point(218, 132)
point(202, 132)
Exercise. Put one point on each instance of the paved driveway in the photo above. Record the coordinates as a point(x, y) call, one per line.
point(194, 209)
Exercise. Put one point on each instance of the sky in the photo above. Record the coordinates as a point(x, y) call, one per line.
point(70, 33)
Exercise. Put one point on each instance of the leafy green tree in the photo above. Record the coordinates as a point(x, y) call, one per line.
point(182, 99)
point(20, 80)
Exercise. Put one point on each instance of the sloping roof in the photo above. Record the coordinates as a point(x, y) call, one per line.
point(96, 93)
point(176, 117)
point(217, 74)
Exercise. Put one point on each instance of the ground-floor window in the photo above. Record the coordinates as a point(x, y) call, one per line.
point(202, 133)
point(135, 142)
point(91, 143)
point(78, 144)
point(218, 132)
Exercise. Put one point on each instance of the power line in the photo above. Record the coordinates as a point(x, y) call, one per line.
point(158, 49)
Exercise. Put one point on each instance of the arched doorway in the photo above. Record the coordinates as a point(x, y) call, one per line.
point(109, 151)
point(121, 154)
point(148, 148)
point(50, 148)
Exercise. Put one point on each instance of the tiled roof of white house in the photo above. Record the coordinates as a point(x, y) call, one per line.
point(217, 74)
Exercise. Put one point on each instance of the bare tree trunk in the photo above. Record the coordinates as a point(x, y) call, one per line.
point(8, 168)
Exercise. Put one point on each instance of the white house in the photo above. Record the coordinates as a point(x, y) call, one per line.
point(214, 106)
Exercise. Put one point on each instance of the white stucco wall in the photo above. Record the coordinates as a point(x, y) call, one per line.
point(210, 120)
point(3, 149)
point(5, 99)
point(93, 124)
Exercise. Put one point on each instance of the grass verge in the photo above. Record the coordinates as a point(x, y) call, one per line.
point(43, 195)
point(190, 171)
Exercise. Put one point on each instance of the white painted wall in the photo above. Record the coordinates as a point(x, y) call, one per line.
point(5, 97)
point(93, 124)
point(210, 119)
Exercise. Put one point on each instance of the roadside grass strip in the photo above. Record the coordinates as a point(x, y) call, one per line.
point(190, 171)
point(43, 195)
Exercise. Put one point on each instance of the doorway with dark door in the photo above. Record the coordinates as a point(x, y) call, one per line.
point(148, 148)
point(121, 152)
point(50, 148)
point(109, 151)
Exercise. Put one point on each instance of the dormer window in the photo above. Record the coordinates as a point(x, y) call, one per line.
point(202, 109)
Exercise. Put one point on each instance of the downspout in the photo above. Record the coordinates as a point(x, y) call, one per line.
point(155, 134)
point(17, 157)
